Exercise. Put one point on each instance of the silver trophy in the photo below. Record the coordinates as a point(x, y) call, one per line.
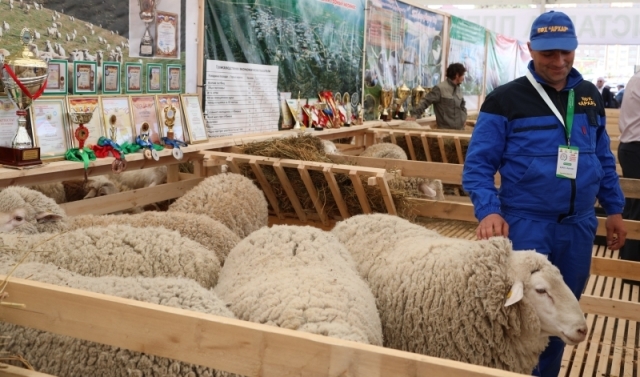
point(147, 15)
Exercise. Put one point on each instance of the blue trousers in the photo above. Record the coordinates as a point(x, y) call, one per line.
point(568, 245)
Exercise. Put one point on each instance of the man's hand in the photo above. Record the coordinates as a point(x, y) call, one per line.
point(492, 225)
point(616, 233)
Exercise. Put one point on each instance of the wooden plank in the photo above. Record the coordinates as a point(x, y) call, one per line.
point(233, 166)
point(360, 193)
point(632, 227)
point(313, 193)
point(173, 173)
point(630, 187)
point(425, 145)
point(245, 348)
point(605, 344)
point(443, 153)
point(610, 307)
point(288, 189)
point(593, 343)
point(443, 209)
point(7, 370)
point(412, 152)
point(129, 199)
point(393, 138)
point(631, 339)
point(615, 268)
point(335, 191)
point(266, 186)
point(386, 193)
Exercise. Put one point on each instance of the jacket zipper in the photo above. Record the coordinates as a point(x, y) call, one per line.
point(573, 181)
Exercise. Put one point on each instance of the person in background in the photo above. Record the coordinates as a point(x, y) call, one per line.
point(605, 92)
point(629, 157)
point(447, 100)
point(620, 94)
point(545, 133)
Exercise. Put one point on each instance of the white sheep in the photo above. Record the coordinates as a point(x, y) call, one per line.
point(299, 278)
point(137, 179)
point(120, 250)
point(206, 231)
point(70, 191)
point(229, 198)
point(28, 211)
point(473, 301)
point(417, 186)
point(66, 356)
point(330, 147)
point(385, 150)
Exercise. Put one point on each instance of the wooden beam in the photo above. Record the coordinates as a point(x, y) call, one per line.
point(409, 141)
point(227, 344)
point(266, 186)
point(610, 307)
point(335, 191)
point(7, 370)
point(129, 199)
point(288, 189)
point(313, 193)
point(615, 268)
point(360, 193)
point(386, 193)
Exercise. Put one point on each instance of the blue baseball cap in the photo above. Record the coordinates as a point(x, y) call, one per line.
point(553, 31)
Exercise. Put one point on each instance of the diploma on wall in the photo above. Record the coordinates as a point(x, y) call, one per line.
point(166, 34)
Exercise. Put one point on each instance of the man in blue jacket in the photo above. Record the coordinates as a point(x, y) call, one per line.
point(545, 134)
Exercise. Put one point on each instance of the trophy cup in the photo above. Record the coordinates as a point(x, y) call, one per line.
point(417, 93)
point(144, 140)
point(147, 15)
point(386, 96)
point(81, 118)
point(402, 93)
point(24, 79)
point(169, 141)
point(119, 163)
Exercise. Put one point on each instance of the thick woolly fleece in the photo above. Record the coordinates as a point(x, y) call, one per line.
point(229, 198)
point(66, 356)
point(208, 232)
point(445, 297)
point(14, 197)
point(120, 250)
point(299, 278)
point(385, 150)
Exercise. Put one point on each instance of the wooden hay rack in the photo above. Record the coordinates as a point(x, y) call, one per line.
point(440, 137)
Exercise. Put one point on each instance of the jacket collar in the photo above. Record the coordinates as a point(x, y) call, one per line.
point(573, 79)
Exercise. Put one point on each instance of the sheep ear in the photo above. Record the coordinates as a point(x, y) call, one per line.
point(515, 294)
point(91, 194)
point(47, 217)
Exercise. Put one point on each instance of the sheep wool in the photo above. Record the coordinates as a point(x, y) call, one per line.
point(41, 214)
point(120, 250)
point(445, 297)
point(140, 178)
point(74, 190)
point(208, 232)
point(385, 150)
point(67, 356)
point(229, 198)
point(299, 278)
point(418, 186)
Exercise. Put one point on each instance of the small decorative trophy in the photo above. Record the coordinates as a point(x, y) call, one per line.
point(295, 112)
point(80, 116)
point(119, 164)
point(144, 141)
point(417, 93)
point(169, 141)
point(402, 93)
point(386, 96)
point(147, 15)
point(346, 105)
point(24, 79)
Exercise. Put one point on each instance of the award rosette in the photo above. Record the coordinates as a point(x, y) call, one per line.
point(331, 109)
point(81, 115)
point(143, 140)
point(106, 146)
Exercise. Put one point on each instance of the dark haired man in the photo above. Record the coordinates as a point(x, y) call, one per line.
point(447, 100)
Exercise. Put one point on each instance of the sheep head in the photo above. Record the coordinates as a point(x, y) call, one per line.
point(540, 284)
point(100, 186)
point(28, 211)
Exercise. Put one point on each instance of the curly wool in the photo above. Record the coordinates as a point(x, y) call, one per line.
point(14, 197)
point(66, 356)
point(140, 178)
point(206, 231)
point(229, 198)
point(445, 297)
point(417, 186)
point(299, 278)
point(74, 190)
point(385, 150)
point(119, 250)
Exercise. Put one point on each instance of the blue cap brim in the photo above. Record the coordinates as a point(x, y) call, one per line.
point(544, 44)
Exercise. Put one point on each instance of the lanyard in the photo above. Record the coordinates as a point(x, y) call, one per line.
point(570, 107)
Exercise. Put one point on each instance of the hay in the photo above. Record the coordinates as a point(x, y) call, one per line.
point(309, 148)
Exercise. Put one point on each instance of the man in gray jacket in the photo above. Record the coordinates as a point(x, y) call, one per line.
point(447, 100)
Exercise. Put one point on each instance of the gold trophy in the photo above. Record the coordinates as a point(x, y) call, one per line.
point(147, 15)
point(81, 116)
point(169, 141)
point(402, 93)
point(416, 96)
point(24, 80)
point(386, 96)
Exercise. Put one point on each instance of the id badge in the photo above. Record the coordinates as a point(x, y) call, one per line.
point(567, 162)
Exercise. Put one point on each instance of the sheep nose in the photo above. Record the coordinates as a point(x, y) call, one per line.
point(582, 332)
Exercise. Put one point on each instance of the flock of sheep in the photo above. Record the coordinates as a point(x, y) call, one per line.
point(375, 279)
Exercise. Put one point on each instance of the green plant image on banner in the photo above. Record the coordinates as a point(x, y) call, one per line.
point(501, 61)
point(404, 46)
point(317, 45)
point(467, 47)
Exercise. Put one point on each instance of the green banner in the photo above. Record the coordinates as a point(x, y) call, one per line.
point(466, 46)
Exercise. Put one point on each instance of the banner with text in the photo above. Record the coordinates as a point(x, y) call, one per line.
point(501, 60)
point(466, 46)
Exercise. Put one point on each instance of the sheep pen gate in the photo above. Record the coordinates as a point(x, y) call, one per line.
point(285, 168)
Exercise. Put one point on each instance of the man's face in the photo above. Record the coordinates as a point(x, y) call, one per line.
point(459, 79)
point(600, 83)
point(553, 65)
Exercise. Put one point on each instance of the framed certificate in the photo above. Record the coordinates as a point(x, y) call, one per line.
point(173, 78)
point(111, 78)
point(95, 126)
point(154, 78)
point(194, 120)
point(162, 101)
point(50, 126)
point(84, 77)
point(117, 109)
point(143, 110)
point(57, 77)
point(167, 29)
point(8, 121)
point(134, 77)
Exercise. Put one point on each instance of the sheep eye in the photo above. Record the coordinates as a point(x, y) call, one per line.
point(18, 218)
point(541, 291)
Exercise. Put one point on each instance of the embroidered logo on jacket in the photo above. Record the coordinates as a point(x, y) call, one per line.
point(586, 101)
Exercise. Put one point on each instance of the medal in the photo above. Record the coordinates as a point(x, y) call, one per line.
point(155, 155)
point(147, 153)
point(177, 153)
point(118, 166)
